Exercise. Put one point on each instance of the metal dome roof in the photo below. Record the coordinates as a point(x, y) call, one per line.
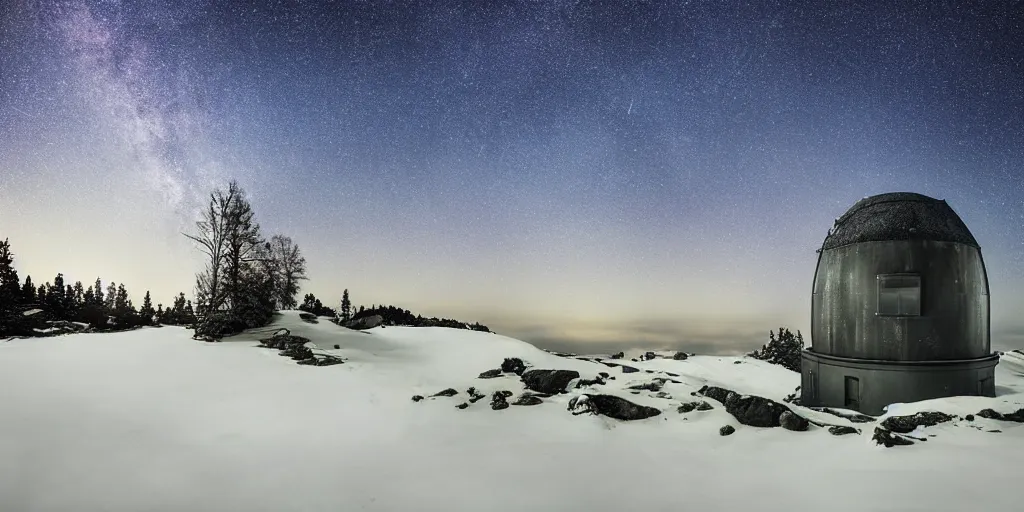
point(899, 216)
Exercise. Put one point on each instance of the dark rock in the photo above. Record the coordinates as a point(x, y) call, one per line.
point(611, 406)
point(842, 430)
point(297, 352)
point(686, 407)
point(307, 362)
point(463, 405)
point(726, 430)
point(505, 393)
point(969, 417)
point(629, 369)
point(603, 375)
point(791, 421)
point(889, 439)
point(513, 365)
point(680, 356)
point(527, 399)
point(498, 401)
point(474, 395)
point(704, 406)
point(662, 394)
point(610, 365)
point(490, 374)
point(715, 392)
point(549, 381)
point(648, 356)
point(737, 362)
point(308, 317)
point(635, 360)
point(582, 383)
point(366, 322)
point(755, 411)
point(447, 392)
point(670, 374)
point(619, 355)
point(417, 398)
point(1016, 416)
point(907, 424)
point(995, 431)
point(337, 347)
point(647, 386)
point(649, 371)
point(328, 361)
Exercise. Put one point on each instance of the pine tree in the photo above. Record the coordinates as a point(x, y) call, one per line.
point(28, 292)
point(190, 314)
point(41, 295)
point(146, 313)
point(346, 307)
point(110, 301)
point(10, 292)
point(159, 314)
point(98, 292)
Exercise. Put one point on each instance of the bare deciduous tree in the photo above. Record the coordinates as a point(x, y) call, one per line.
point(290, 267)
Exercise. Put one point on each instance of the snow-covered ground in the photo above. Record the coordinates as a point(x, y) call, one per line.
point(151, 420)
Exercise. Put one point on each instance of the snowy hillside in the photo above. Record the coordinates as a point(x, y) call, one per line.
point(153, 420)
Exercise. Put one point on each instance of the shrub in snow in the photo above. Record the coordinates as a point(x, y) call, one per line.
point(842, 430)
point(308, 317)
point(218, 325)
point(611, 406)
point(417, 398)
point(549, 381)
point(726, 430)
point(513, 365)
point(680, 356)
point(704, 406)
point(648, 356)
point(490, 374)
point(783, 350)
point(474, 395)
point(463, 405)
point(907, 424)
point(619, 355)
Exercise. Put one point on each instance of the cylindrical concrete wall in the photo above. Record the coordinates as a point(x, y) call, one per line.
point(870, 386)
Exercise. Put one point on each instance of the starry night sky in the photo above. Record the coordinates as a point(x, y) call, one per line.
point(658, 173)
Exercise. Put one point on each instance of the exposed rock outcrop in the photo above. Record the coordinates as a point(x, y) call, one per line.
point(549, 381)
point(611, 406)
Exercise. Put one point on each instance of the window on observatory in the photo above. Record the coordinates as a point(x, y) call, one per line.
point(899, 295)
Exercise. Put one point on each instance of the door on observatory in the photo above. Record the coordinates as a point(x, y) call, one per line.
point(852, 393)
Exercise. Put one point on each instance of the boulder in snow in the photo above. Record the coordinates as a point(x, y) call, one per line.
point(647, 386)
point(842, 430)
point(417, 398)
point(366, 322)
point(528, 399)
point(791, 421)
point(611, 406)
point(490, 374)
point(463, 405)
point(629, 369)
point(549, 381)
point(680, 356)
point(513, 365)
point(726, 430)
point(889, 439)
point(499, 400)
point(907, 424)
point(1016, 416)
point(446, 392)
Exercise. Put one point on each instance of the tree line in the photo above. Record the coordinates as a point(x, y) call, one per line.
point(106, 308)
point(391, 315)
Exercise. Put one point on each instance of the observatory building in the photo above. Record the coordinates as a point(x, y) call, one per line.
point(899, 308)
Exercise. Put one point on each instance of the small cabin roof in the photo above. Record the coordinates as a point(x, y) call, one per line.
point(899, 216)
